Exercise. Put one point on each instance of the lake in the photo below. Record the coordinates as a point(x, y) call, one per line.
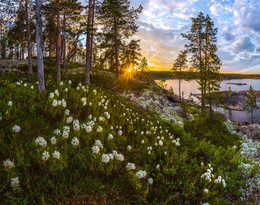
point(191, 87)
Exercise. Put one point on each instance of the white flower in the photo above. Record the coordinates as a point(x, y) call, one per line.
point(57, 132)
point(65, 134)
point(15, 183)
point(141, 174)
point(157, 166)
point(206, 191)
point(32, 87)
point(10, 103)
point(56, 155)
point(95, 149)
point(64, 104)
point(56, 92)
point(130, 166)
point(41, 141)
point(111, 156)
point(110, 136)
point(69, 120)
point(88, 129)
point(8, 164)
point(69, 81)
point(129, 147)
point(51, 95)
point(84, 99)
point(66, 89)
point(75, 142)
point(120, 157)
point(99, 144)
point(165, 152)
point(54, 103)
point(150, 181)
point(66, 112)
point(61, 83)
point(16, 128)
point(99, 129)
point(45, 156)
point(149, 152)
point(100, 119)
point(120, 132)
point(142, 141)
point(90, 117)
point(95, 92)
point(53, 140)
point(160, 142)
point(105, 158)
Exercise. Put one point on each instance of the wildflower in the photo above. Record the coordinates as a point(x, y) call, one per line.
point(53, 140)
point(56, 155)
point(100, 119)
point(56, 92)
point(105, 158)
point(206, 191)
point(54, 103)
point(141, 174)
point(66, 112)
point(150, 181)
point(90, 117)
point(111, 128)
point(64, 104)
point(51, 95)
point(120, 157)
point(110, 136)
point(99, 129)
point(160, 143)
point(75, 141)
point(8, 164)
point(165, 153)
point(95, 92)
point(99, 144)
point(69, 120)
point(57, 132)
point(95, 149)
point(129, 147)
point(15, 183)
point(16, 128)
point(157, 166)
point(88, 129)
point(10, 103)
point(130, 166)
point(41, 141)
point(32, 87)
point(149, 152)
point(66, 89)
point(45, 156)
point(65, 134)
point(111, 156)
point(61, 83)
point(69, 81)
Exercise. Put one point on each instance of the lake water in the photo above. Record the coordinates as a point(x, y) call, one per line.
point(191, 87)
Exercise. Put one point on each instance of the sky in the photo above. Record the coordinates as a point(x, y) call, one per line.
point(238, 21)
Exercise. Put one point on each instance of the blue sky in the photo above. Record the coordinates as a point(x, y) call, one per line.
point(238, 21)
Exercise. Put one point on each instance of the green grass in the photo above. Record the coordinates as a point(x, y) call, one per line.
point(80, 176)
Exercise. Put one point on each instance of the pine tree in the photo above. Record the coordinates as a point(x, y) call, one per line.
point(202, 39)
point(143, 67)
point(251, 104)
point(119, 19)
point(178, 66)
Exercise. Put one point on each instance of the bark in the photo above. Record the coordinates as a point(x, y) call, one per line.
point(22, 49)
point(88, 42)
point(28, 36)
point(116, 46)
point(180, 89)
point(39, 45)
point(92, 36)
point(58, 43)
point(64, 40)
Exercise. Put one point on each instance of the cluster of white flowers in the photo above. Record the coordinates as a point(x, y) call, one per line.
point(107, 115)
point(75, 142)
point(99, 129)
point(41, 141)
point(208, 174)
point(69, 120)
point(220, 180)
point(16, 128)
point(61, 102)
point(119, 132)
point(130, 166)
point(87, 128)
point(45, 156)
point(129, 147)
point(8, 164)
point(99, 144)
point(84, 101)
point(66, 131)
point(15, 183)
point(141, 174)
point(119, 157)
point(53, 140)
point(57, 132)
point(150, 180)
point(110, 136)
point(105, 158)
point(176, 142)
point(76, 126)
point(10, 103)
point(56, 155)
point(95, 149)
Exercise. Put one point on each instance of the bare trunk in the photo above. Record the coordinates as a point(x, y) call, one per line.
point(22, 49)
point(39, 45)
point(88, 43)
point(116, 46)
point(92, 35)
point(64, 41)
point(58, 43)
point(180, 89)
point(28, 35)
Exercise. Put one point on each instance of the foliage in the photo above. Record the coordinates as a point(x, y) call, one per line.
point(174, 162)
point(251, 104)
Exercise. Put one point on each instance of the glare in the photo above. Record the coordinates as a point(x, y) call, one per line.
point(129, 70)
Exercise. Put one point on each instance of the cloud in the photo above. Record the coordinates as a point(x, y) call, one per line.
point(243, 45)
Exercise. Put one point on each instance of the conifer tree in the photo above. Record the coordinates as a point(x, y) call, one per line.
point(251, 103)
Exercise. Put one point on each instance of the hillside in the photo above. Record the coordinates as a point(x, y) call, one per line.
point(81, 144)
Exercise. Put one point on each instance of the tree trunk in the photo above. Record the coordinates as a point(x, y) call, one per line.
point(58, 43)
point(201, 77)
point(92, 35)
point(64, 40)
point(22, 49)
point(88, 42)
point(116, 46)
point(28, 35)
point(180, 89)
point(39, 45)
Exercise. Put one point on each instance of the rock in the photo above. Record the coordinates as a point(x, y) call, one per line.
point(252, 130)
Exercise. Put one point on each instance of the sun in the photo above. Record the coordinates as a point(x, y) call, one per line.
point(129, 70)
